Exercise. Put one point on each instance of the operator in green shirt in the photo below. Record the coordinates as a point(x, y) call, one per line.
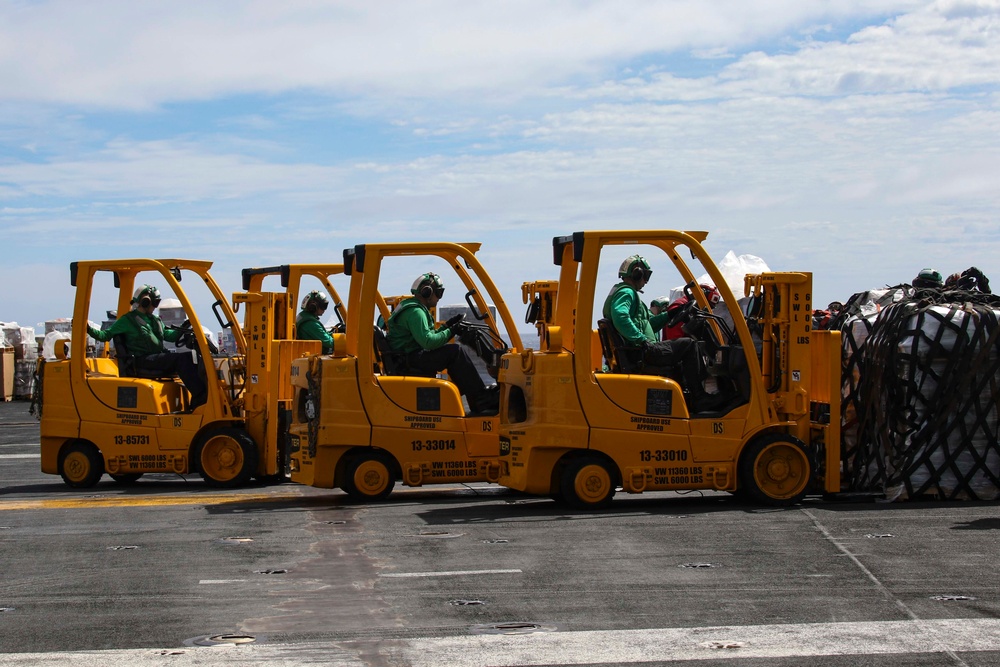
point(308, 325)
point(632, 319)
point(144, 333)
point(412, 332)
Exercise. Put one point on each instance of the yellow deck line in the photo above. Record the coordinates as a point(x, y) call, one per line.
point(145, 501)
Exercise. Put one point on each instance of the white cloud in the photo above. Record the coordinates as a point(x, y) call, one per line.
point(174, 171)
point(861, 158)
point(124, 53)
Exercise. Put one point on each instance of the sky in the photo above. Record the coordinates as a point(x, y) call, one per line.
point(858, 140)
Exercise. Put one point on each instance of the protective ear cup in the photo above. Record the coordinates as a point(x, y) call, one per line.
point(145, 301)
point(633, 268)
point(425, 284)
point(313, 301)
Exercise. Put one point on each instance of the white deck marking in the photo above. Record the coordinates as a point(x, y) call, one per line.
point(723, 645)
point(712, 643)
point(20, 456)
point(454, 573)
point(881, 587)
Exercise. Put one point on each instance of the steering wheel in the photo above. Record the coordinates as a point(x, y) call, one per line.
point(681, 313)
point(684, 313)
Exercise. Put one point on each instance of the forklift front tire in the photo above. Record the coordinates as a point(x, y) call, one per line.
point(587, 484)
point(226, 457)
point(81, 466)
point(369, 477)
point(775, 470)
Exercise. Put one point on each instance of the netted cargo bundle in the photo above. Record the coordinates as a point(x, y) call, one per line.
point(927, 399)
point(24, 378)
point(855, 321)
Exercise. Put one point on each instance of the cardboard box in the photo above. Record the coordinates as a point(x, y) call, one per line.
point(7, 372)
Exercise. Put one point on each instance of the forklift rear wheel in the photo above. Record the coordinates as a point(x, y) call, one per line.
point(81, 466)
point(127, 478)
point(587, 484)
point(369, 477)
point(775, 470)
point(227, 457)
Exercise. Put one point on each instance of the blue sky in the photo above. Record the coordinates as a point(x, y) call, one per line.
point(857, 140)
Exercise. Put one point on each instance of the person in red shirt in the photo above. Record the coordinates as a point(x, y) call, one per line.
point(677, 331)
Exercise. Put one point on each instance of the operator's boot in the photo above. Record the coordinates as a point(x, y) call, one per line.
point(486, 403)
point(197, 401)
point(703, 402)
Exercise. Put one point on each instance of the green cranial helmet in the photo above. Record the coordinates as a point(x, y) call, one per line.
point(928, 278)
point(314, 302)
point(427, 284)
point(660, 302)
point(148, 292)
point(635, 267)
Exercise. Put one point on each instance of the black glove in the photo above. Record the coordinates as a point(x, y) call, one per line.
point(188, 340)
point(973, 279)
point(452, 321)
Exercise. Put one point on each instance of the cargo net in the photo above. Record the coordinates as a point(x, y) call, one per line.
point(855, 320)
point(921, 390)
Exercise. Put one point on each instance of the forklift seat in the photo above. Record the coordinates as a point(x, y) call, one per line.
point(628, 359)
point(621, 357)
point(127, 366)
point(392, 362)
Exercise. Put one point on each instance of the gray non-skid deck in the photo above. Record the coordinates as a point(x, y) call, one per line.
point(172, 572)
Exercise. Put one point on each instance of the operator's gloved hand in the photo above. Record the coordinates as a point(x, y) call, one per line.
point(452, 321)
point(974, 279)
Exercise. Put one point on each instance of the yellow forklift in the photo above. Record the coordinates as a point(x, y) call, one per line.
point(583, 417)
point(359, 424)
point(98, 415)
point(291, 276)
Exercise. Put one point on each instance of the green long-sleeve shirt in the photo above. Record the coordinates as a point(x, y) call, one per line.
point(411, 328)
point(308, 327)
point(630, 316)
point(144, 334)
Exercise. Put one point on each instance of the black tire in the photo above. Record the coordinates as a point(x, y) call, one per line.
point(775, 469)
point(587, 483)
point(369, 476)
point(126, 479)
point(226, 457)
point(81, 465)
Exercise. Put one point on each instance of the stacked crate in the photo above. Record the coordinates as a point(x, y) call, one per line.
point(6, 369)
point(22, 339)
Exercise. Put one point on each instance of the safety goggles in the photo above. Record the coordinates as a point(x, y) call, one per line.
point(646, 273)
point(439, 292)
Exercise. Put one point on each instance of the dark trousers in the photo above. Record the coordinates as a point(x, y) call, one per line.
point(182, 364)
point(670, 356)
point(456, 360)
